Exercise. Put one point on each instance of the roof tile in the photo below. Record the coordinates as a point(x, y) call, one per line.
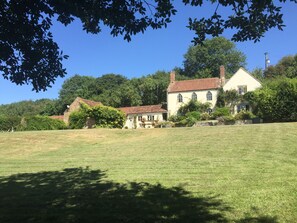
point(143, 109)
point(194, 85)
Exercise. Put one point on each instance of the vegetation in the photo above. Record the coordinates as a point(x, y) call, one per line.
point(29, 108)
point(286, 67)
point(224, 111)
point(16, 123)
point(31, 56)
point(276, 100)
point(9, 123)
point(40, 123)
point(203, 61)
point(190, 113)
point(223, 174)
point(103, 116)
point(244, 115)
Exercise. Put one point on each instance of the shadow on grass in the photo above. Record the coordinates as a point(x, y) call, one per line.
point(82, 195)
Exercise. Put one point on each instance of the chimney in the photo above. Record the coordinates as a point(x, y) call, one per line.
point(222, 75)
point(172, 76)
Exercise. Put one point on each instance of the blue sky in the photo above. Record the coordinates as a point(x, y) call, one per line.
point(95, 55)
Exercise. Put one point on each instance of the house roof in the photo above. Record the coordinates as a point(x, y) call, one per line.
point(194, 85)
point(143, 109)
point(89, 102)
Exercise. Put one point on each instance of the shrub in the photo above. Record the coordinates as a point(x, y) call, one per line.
point(205, 116)
point(244, 115)
point(193, 106)
point(175, 118)
point(219, 112)
point(40, 123)
point(78, 119)
point(9, 123)
point(194, 114)
point(226, 120)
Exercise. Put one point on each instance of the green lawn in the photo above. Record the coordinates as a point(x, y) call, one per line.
point(207, 174)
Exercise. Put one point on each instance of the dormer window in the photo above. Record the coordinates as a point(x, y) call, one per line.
point(179, 98)
point(209, 96)
point(194, 96)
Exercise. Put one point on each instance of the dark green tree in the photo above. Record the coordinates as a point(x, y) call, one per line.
point(153, 88)
point(203, 61)
point(286, 67)
point(104, 83)
point(29, 55)
point(76, 86)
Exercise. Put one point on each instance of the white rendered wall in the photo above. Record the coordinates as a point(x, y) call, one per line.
point(174, 105)
point(242, 77)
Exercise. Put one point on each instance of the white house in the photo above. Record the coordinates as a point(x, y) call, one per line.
point(143, 116)
point(206, 89)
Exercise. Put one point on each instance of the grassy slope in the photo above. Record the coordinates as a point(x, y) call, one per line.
point(250, 169)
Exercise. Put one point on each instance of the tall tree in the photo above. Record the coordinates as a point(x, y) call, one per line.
point(205, 60)
point(29, 55)
point(152, 88)
point(286, 67)
point(76, 86)
point(106, 82)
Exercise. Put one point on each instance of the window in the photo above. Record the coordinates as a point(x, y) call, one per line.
point(150, 118)
point(179, 98)
point(209, 96)
point(139, 118)
point(242, 89)
point(194, 96)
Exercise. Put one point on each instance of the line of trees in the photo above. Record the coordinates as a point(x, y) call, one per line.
point(115, 90)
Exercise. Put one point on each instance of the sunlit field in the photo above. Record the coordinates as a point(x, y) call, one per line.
point(207, 174)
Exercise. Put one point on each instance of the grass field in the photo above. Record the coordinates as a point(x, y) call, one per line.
point(207, 174)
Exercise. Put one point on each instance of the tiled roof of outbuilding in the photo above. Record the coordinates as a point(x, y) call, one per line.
point(143, 109)
point(89, 102)
point(194, 85)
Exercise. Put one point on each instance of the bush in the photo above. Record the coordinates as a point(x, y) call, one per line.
point(219, 112)
point(205, 116)
point(78, 119)
point(175, 118)
point(244, 115)
point(40, 123)
point(226, 120)
point(193, 106)
point(194, 114)
point(9, 123)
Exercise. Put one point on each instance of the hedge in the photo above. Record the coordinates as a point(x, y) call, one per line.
point(9, 123)
point(40, 123)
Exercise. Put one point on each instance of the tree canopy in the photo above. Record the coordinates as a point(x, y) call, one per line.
point(286, 67)
point(205, 60)
point(29, 55)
